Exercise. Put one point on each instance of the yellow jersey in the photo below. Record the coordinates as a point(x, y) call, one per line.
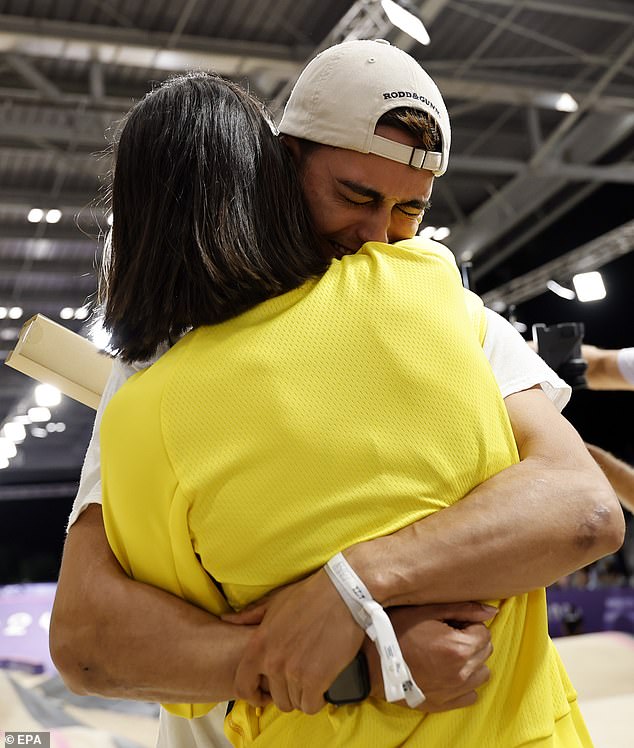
point(346, 409)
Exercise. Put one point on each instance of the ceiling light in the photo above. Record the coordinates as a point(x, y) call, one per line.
point(441, 233)
point(39, 415)
point(46, 394)
point(589, 286)
point(39, 432)
point(16, 312)
point(15, 432)
point(7, 448)
point(53, 215)
point(101, 339)
point(110, 219)
point(406, 21)
point(427, 232)
point(81, 313)
point(22, 419)
point(4, 463)
point(67, 312)
point(35, 215)
point(566, 103)
point(557, 288)
point(3, 312)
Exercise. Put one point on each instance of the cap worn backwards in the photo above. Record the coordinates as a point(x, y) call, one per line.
point(344, 91)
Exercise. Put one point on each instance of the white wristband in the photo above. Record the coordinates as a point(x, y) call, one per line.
point(397, 679)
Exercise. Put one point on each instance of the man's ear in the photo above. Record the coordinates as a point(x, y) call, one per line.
point(293, 145)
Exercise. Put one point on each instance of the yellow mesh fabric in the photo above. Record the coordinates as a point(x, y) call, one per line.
point(336, 413)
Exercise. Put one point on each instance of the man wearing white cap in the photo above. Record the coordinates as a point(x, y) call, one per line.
point(370, 179)
point(388, 133)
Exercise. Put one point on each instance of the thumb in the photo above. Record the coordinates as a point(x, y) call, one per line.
point(461, 615)
point(464, 612)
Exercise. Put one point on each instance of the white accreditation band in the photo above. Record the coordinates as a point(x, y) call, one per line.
point(397, 679)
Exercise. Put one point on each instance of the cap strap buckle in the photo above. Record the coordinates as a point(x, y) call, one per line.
point(417, 158)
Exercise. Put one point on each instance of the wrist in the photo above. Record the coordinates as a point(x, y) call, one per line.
point(398, 682)
point(365, 559)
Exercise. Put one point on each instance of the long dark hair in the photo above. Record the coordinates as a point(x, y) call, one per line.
point(208, 215)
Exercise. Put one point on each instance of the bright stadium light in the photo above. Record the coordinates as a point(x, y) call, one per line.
point(47, 395)
point(406, 21)
point(589, 286)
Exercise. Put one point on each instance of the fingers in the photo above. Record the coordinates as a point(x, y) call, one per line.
point(280, 694)
point(477, 638)
point(463, 612)
point(249, 685)
point(457, 698)
point(469, 695)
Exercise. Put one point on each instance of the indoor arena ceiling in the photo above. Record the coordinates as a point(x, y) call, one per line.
point(540, 94)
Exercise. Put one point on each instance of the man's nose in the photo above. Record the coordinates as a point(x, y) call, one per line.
point(374, 227)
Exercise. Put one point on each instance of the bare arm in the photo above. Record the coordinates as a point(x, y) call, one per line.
point(603, 370)
point(113, 636)
point(619, 473)
point(525, 527)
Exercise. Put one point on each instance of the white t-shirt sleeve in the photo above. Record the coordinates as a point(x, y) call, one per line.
point(89, 491)
point(516, 366)
point(625, 362)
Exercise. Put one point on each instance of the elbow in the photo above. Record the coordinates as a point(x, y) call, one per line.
point(74, 659)
point(69, 668)
point(601, 529)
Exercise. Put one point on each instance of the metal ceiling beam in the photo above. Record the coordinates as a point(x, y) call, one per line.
point(617, 173)
point(583, 142)
point(45, 302)
point(544, 39)
point(555, 137)
point(77, 268)
point(146, 49)
point(614, 12)
point(590, 256)
point(86, 129)
point(28, 276)
point(593, 137)
point(86, 101)
point(520, 94)
point(71, 203)
point(51, 231)
point(29, 73)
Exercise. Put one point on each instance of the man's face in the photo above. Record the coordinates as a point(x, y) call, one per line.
point(356, 197)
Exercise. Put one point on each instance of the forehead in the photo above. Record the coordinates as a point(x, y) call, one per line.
point(331, 167)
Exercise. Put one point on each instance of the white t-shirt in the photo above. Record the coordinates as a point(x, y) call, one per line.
point(515, 366)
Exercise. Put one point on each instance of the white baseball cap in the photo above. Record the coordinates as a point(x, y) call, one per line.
point(343, 92)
